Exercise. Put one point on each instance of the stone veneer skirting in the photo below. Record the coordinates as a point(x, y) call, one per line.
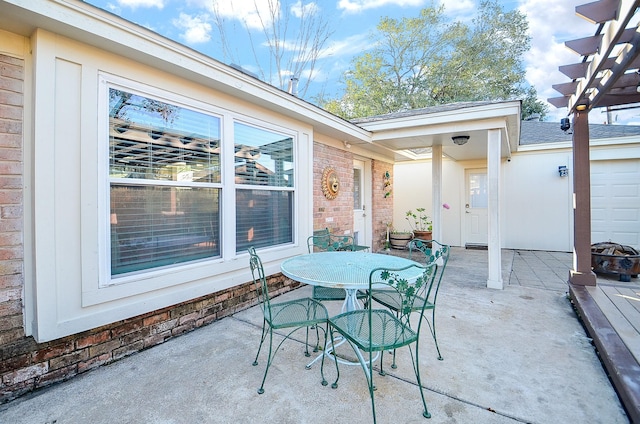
point(26, 365)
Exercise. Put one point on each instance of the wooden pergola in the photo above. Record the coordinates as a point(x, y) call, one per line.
point(608, 76)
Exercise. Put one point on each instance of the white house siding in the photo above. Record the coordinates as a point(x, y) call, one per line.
point(69, 189)
point(537, 209)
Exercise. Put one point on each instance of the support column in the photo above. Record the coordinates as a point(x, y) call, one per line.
point(581, 273)
point(436, 190)
point(493, 190)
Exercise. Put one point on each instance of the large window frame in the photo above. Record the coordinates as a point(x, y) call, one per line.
point(228, 186)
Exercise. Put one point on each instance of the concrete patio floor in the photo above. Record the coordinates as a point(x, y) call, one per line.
point(510, 356)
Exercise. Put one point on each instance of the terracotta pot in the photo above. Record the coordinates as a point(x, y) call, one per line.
point(422, 235)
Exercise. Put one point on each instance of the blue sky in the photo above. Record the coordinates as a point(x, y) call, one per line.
point(191, 22)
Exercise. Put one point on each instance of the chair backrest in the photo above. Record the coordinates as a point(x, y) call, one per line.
point(403, 284)
point(431, 251)
point(259, 280)
point(324, 241)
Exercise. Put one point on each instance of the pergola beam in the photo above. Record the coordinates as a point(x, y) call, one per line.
point(599, 11)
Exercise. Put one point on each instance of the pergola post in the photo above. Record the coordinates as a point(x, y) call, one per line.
point(581, 273)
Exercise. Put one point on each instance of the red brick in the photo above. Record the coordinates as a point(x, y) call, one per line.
point(11, 84)
point(10, 126)
point(15, 362)
point(10, 112)
point(14, 182)
point(102, 348)
point(10, 307)
point(10, 281)
point(10, 197)
point(56, 376)
point(127, 350)
point(69, 359)
point(154, 319)
point(24, 374)
point(11, 67)
point(11, 239)
point(10, 140)
point(94, 362)
point(54, 351)
point(12, 155)
point(126, 328)
point(10, 98)
point(135, 336)
point(93, 339)
point(156, 339)
point(8, 253)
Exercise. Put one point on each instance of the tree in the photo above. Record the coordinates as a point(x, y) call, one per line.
point(294, 33)
point(428, 60)
point(532, 108)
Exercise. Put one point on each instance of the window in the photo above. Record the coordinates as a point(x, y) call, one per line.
point(165, 183)
point(264, 187)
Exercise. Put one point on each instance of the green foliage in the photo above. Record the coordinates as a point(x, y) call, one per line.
point(419, 220)
point(428, 60)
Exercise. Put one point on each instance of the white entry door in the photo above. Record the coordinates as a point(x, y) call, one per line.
point(476, 203)
point(361, 203)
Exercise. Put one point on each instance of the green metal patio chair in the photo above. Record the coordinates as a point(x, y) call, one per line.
point(429, 251)
point(324, 241)
point(293, 314)
point(378, 330)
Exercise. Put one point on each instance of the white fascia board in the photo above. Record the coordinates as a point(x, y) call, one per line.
point(457, 117)
point(439, 128)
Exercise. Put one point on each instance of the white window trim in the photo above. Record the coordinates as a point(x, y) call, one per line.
point(108, 289)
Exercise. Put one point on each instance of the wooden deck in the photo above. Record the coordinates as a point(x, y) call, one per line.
point(610, 312)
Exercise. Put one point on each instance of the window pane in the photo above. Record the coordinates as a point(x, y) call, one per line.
point(263, 157)
point(263, 218)
point(158, 226)
point(478, 186)
point(357, 185)
point(152, 140)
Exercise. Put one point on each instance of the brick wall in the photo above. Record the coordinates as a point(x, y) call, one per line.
point(382, 204)
point(26, 365)
point(335, 214)
point(339, 211)
point(11, 210)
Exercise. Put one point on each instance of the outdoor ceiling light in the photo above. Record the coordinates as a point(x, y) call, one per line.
point(460, 139)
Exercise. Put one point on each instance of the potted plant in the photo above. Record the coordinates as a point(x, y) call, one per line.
point(420, 223)
point(399, 239)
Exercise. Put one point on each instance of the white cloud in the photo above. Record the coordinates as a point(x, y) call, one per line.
point(454, 6)
point(551, 23)
point(348, 47)
point(197, 29)
point(299, 10)
point(134, 4)
point(254, 14)
point(357, 6)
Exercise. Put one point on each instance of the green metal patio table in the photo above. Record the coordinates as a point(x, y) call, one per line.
point(347, 270)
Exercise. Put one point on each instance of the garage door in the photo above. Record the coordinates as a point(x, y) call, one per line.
point(615, 201)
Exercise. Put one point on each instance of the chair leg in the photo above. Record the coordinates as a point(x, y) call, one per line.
point(433, 333)
point(334, 385)
point(264, 333)
point(269, 359)
point(416, 368)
